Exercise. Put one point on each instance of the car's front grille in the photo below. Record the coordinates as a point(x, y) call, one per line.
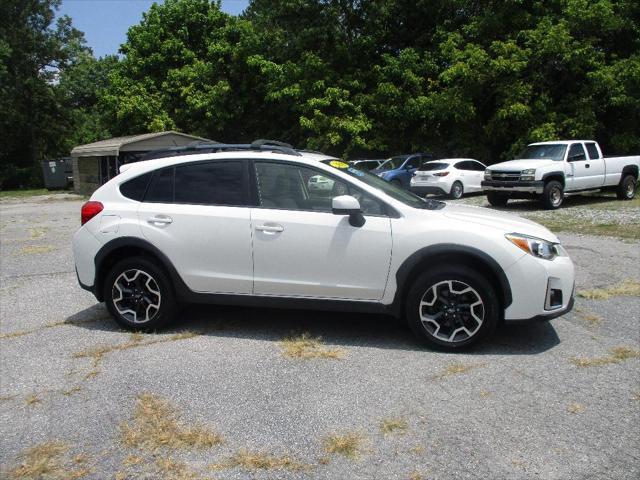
point(504, 176)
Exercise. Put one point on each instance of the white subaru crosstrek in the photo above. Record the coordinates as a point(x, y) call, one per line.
point(239, 225)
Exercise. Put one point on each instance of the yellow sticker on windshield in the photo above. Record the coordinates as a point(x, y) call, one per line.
point(338, 164)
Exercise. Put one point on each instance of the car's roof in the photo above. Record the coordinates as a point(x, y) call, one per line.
point(561, 142)
point(453, 160)
point(303, 157)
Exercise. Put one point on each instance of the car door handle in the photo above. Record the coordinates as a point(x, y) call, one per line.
point(587, 165)
point(160, 220)
point(270, 228)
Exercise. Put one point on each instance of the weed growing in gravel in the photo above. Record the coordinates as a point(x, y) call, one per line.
point(46, 326)
point(636, 396)
point(49, 461)
point(588, 317)
point(304, 346)
point(37, 233)
point(35, 249)
point(626, 288)
point(32, 400)
point(249, 460)
point(458, 368)
point(415, 476)
point(575, 408)
point(135, 340)
point(397, 425)
point(132, 460)
point(170, 469)
point(348, 445)
point(6, 398)
point(156, 425)
point(617, 355)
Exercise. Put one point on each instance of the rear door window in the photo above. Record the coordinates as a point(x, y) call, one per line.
point(593, 151)
point(211, 183)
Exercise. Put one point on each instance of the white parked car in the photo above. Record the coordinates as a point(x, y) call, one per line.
point(238, 225)
point(320, 183)
point(548, 171)
point(448, 176)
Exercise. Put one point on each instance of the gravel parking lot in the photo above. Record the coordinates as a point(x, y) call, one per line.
point(224, 395)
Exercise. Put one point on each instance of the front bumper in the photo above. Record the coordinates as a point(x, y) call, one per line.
point(533, 281)
point(536, 186)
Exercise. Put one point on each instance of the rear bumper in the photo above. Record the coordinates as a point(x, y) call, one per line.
point(536, 186)
point(422, 190)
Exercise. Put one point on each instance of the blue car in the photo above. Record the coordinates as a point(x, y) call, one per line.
point(399, 170)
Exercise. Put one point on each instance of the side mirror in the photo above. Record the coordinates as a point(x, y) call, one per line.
point(348, 205)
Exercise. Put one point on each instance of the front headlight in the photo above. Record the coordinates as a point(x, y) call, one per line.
point(528, 175)
point(536, 246)
point(487, 174)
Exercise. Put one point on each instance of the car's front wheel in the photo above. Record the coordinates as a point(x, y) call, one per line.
point(138, 295)
point(452, 307)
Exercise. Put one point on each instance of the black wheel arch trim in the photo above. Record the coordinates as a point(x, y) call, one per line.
point(629, 170)
point(407, 270)
point(550, 175)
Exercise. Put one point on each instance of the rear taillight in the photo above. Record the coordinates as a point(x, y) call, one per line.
point(441, 174)
point(90, 210)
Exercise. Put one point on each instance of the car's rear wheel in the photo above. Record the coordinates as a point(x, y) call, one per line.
point(457, 190)
point(138, 295)
point(497, 199)
point(452, 307)
point(627, 188)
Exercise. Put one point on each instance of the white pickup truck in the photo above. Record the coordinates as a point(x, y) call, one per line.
point(550, 170)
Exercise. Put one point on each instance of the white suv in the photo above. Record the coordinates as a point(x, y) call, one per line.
point(240, 225)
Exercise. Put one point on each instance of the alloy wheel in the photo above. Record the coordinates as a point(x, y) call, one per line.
point(451, 311)
point(136, 296)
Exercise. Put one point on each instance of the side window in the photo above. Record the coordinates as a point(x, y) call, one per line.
point(476, 166)
point(576, 153)
point(161, 188)
point(461, 166)
point(211, 183)
point(593, 151)
point(295, 187)
point(414, 162)
point(136, 187)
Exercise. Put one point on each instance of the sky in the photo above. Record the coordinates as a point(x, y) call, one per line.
point(105, 22)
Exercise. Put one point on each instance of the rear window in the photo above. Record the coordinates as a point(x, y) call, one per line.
point(214, 183)
point(429, 166)
point(136, 187)
point(161, 188)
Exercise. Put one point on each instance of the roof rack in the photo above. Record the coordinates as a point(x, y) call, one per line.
point(202, 147)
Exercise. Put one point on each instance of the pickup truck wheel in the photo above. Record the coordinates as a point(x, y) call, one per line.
point(138, 295)
point(497, 199)
point(457, 190)
point(552, 195)
point(452, 307)
point(627, 188)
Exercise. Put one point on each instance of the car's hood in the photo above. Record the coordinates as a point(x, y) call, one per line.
point(505, 222)
point(523, 164)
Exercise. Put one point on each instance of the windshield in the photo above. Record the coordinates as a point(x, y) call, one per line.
point(433, 166)
point(392, 163)
point(394, 192)
point(544, 152)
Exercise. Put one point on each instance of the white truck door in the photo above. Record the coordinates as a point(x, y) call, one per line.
point(579, 167)
point(596, 166)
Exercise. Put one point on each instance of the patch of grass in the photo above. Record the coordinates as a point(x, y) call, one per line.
point(136, 340)
point(71, 391)
point(171, 469)
point(636, 396)
point(397, 425)
point(252, 460)
point(415, 475)
point(20, 333)
point(626, 288)
point(616, 355)
point(6, 398)
point(37, 233)
point(32, 400)
point(575, 408)
point(580, 225)
point(417, 450)
point(588, 317)
point(156, 424)
point(132, 460)
point(458, 368)
point(304, 347)
point(24, 193)
point(48, 461)
point(349, 444)
point(36, 249)
point(485, 393)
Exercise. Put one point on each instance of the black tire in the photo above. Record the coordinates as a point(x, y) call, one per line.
point(142, 294)
point(422, 287)
point(497, 199)
point(457, 190)
point(627, 188)
point(552, 195)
